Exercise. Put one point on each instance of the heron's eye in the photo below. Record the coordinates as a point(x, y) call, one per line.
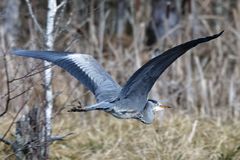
point(153, 101)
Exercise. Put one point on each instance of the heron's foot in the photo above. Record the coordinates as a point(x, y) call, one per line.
point(139, 115)
point(80, 105)
point(77, 109)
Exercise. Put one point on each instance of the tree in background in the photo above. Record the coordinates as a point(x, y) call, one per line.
point(33, 132)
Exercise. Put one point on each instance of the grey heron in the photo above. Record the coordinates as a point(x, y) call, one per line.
point(127, 102)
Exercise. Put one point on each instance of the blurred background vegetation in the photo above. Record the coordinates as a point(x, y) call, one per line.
point(203, 86)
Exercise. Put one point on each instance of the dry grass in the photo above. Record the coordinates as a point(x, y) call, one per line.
point(203, 86)
point(105, 137)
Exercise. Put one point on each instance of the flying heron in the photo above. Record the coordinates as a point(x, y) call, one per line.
point(127, 102)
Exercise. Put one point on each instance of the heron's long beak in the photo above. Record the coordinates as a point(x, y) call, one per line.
point(164, 106)
point(161, 107)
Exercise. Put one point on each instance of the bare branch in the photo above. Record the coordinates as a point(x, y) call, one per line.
point(14, 118)
point(8, 86)
point(34, 17)
point(9, 91)
point(30, 74)
point(63, 3)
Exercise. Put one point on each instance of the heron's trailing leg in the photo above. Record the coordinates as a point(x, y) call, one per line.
point(98, 106)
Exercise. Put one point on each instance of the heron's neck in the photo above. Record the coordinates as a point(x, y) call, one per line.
point(147, 113)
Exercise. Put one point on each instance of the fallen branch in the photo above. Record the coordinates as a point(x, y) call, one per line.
point(7, 142)
point(59, 138)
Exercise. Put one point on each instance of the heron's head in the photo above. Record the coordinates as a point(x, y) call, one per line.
point(157, 106)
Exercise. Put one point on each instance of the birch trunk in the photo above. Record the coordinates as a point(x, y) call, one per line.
point(52, 9)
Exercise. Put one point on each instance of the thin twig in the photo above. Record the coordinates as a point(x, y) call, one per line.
point(60, 18)
point(23, 92)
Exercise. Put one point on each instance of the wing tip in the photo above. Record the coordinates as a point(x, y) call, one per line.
point(217, 35)
point(206, 39)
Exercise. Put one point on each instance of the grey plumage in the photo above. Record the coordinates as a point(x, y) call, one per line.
point(83, 67)
point(129, 101)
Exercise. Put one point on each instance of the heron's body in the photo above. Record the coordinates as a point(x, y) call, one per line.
point(127, 102)
point(120, 109)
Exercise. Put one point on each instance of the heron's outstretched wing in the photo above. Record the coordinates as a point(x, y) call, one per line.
point(83, 67)
point(141, 82)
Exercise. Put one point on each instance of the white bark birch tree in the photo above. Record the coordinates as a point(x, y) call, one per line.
point(49, 39)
